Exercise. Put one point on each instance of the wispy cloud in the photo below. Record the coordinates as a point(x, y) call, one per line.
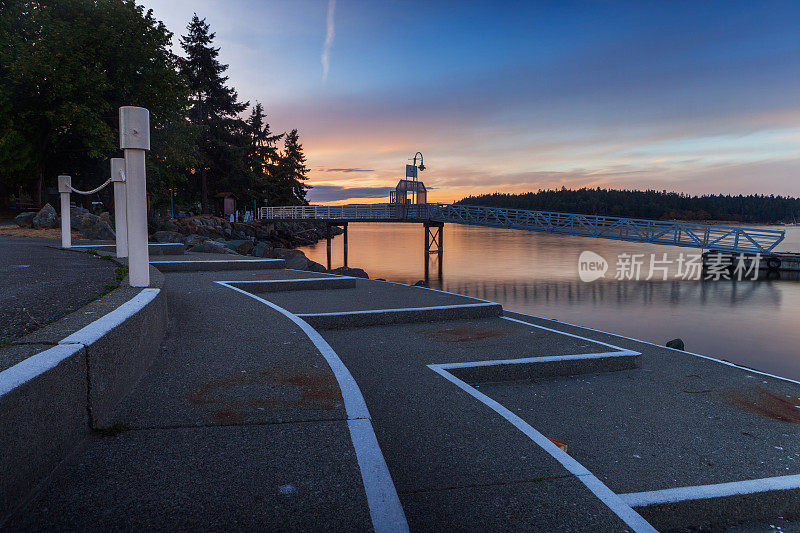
point(326, 48)
point(332, 193)
point(348, 170)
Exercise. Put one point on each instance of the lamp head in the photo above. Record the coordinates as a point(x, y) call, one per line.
point(421, 167)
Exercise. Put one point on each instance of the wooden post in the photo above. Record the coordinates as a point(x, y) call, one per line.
point(328, 237)
point(441, 249)
point(134, 139)
point(345, 244)
point(427, 251)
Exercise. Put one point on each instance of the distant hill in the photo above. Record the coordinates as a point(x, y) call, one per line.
point(659, 205)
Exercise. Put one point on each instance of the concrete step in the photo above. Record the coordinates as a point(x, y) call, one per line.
point(543, 367)
point(379, 317)
point(278, 285)
point(154, 248)
point(216, 265)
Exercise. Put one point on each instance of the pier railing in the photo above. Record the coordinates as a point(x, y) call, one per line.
point(706, 236)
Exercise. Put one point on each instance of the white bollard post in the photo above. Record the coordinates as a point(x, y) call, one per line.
point(64, 183)
point(134, 139)
point(120, 205)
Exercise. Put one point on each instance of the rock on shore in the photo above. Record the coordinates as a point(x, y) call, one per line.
point(96, 227)
point(205, 233)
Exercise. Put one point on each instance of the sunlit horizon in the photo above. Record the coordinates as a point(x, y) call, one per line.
point(687, 97)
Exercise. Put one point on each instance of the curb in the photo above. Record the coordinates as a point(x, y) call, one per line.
point(381, 317)
point(51, 401)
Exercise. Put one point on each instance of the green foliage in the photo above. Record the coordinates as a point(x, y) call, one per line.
point(291, 173)
point(66, 66)
point(650, 204)
point(214, 109)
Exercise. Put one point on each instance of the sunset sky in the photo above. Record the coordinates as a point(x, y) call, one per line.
point(696, 97)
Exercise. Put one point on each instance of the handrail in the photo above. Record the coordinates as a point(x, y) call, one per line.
point(686, 234)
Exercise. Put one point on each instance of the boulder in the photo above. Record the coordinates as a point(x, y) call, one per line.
point(313, 266)
point(421, 283)
point(46, 218)
point(676, 344)
point(25, 220)
point(194, 240)
point(105, 216)
point(213, 247)
point(101, 232)
point(263, 249)
point(245, 248)
point(294, 258)
point(352, 272)
point(87, 221)
point(168, 237)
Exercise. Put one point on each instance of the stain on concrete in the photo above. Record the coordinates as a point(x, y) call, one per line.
point(781, 407)
point(463, 334)
point(230, 397)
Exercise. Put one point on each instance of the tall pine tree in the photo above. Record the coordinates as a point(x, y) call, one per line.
point(262, 155)
point(214, 107)
point(291, 173)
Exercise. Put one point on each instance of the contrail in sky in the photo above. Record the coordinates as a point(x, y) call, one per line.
point(326, 49)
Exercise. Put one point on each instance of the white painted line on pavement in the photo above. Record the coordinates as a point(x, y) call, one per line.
point(282, 280)
point(719, 490)
point(106, 323)
point(613, 501)
point(40, 363)
point(606, 495)
point(542, 359)
point(384, 504)
point(721, 361)
point(373, 311)
point(35, 365)
point(216, 261)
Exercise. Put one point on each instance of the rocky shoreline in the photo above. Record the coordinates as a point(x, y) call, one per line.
point(208, 234)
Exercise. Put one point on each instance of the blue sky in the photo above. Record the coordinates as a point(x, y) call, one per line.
point(697, 97)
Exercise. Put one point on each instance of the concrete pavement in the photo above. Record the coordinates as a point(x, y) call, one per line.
point(39, 284)
point(246, 419)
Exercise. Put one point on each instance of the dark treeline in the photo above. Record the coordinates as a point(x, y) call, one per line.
point(659, 205)
point(66, 66)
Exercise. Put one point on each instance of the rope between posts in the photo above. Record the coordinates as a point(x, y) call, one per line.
point(93, 190)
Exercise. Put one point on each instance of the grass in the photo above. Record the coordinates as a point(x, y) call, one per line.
point(119, 275)
point(105, 257)
point(5, 341)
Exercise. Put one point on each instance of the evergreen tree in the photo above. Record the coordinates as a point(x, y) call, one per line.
point(291, 173)
point(262, 155)
point(214, 107)
point(65, 68)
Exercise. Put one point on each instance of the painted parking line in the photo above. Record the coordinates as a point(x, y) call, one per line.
point(290, 280)
point(613, 501)
point(719, 490)
point(384, 504)
point(397, 310)
point(684, 352)
point(181, 261)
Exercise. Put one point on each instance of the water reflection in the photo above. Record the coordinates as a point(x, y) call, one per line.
point(749, 322)
point(764, 294)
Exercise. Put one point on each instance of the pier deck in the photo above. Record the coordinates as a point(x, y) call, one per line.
point(252, 418)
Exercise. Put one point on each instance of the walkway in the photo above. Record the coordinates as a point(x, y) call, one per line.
point(293, 400)
point(39, 284)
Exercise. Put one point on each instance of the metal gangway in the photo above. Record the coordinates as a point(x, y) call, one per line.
point(732, 239)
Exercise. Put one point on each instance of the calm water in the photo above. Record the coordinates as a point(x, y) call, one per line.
point(754, 323)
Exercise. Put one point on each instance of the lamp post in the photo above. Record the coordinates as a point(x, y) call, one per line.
point(414, 176)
